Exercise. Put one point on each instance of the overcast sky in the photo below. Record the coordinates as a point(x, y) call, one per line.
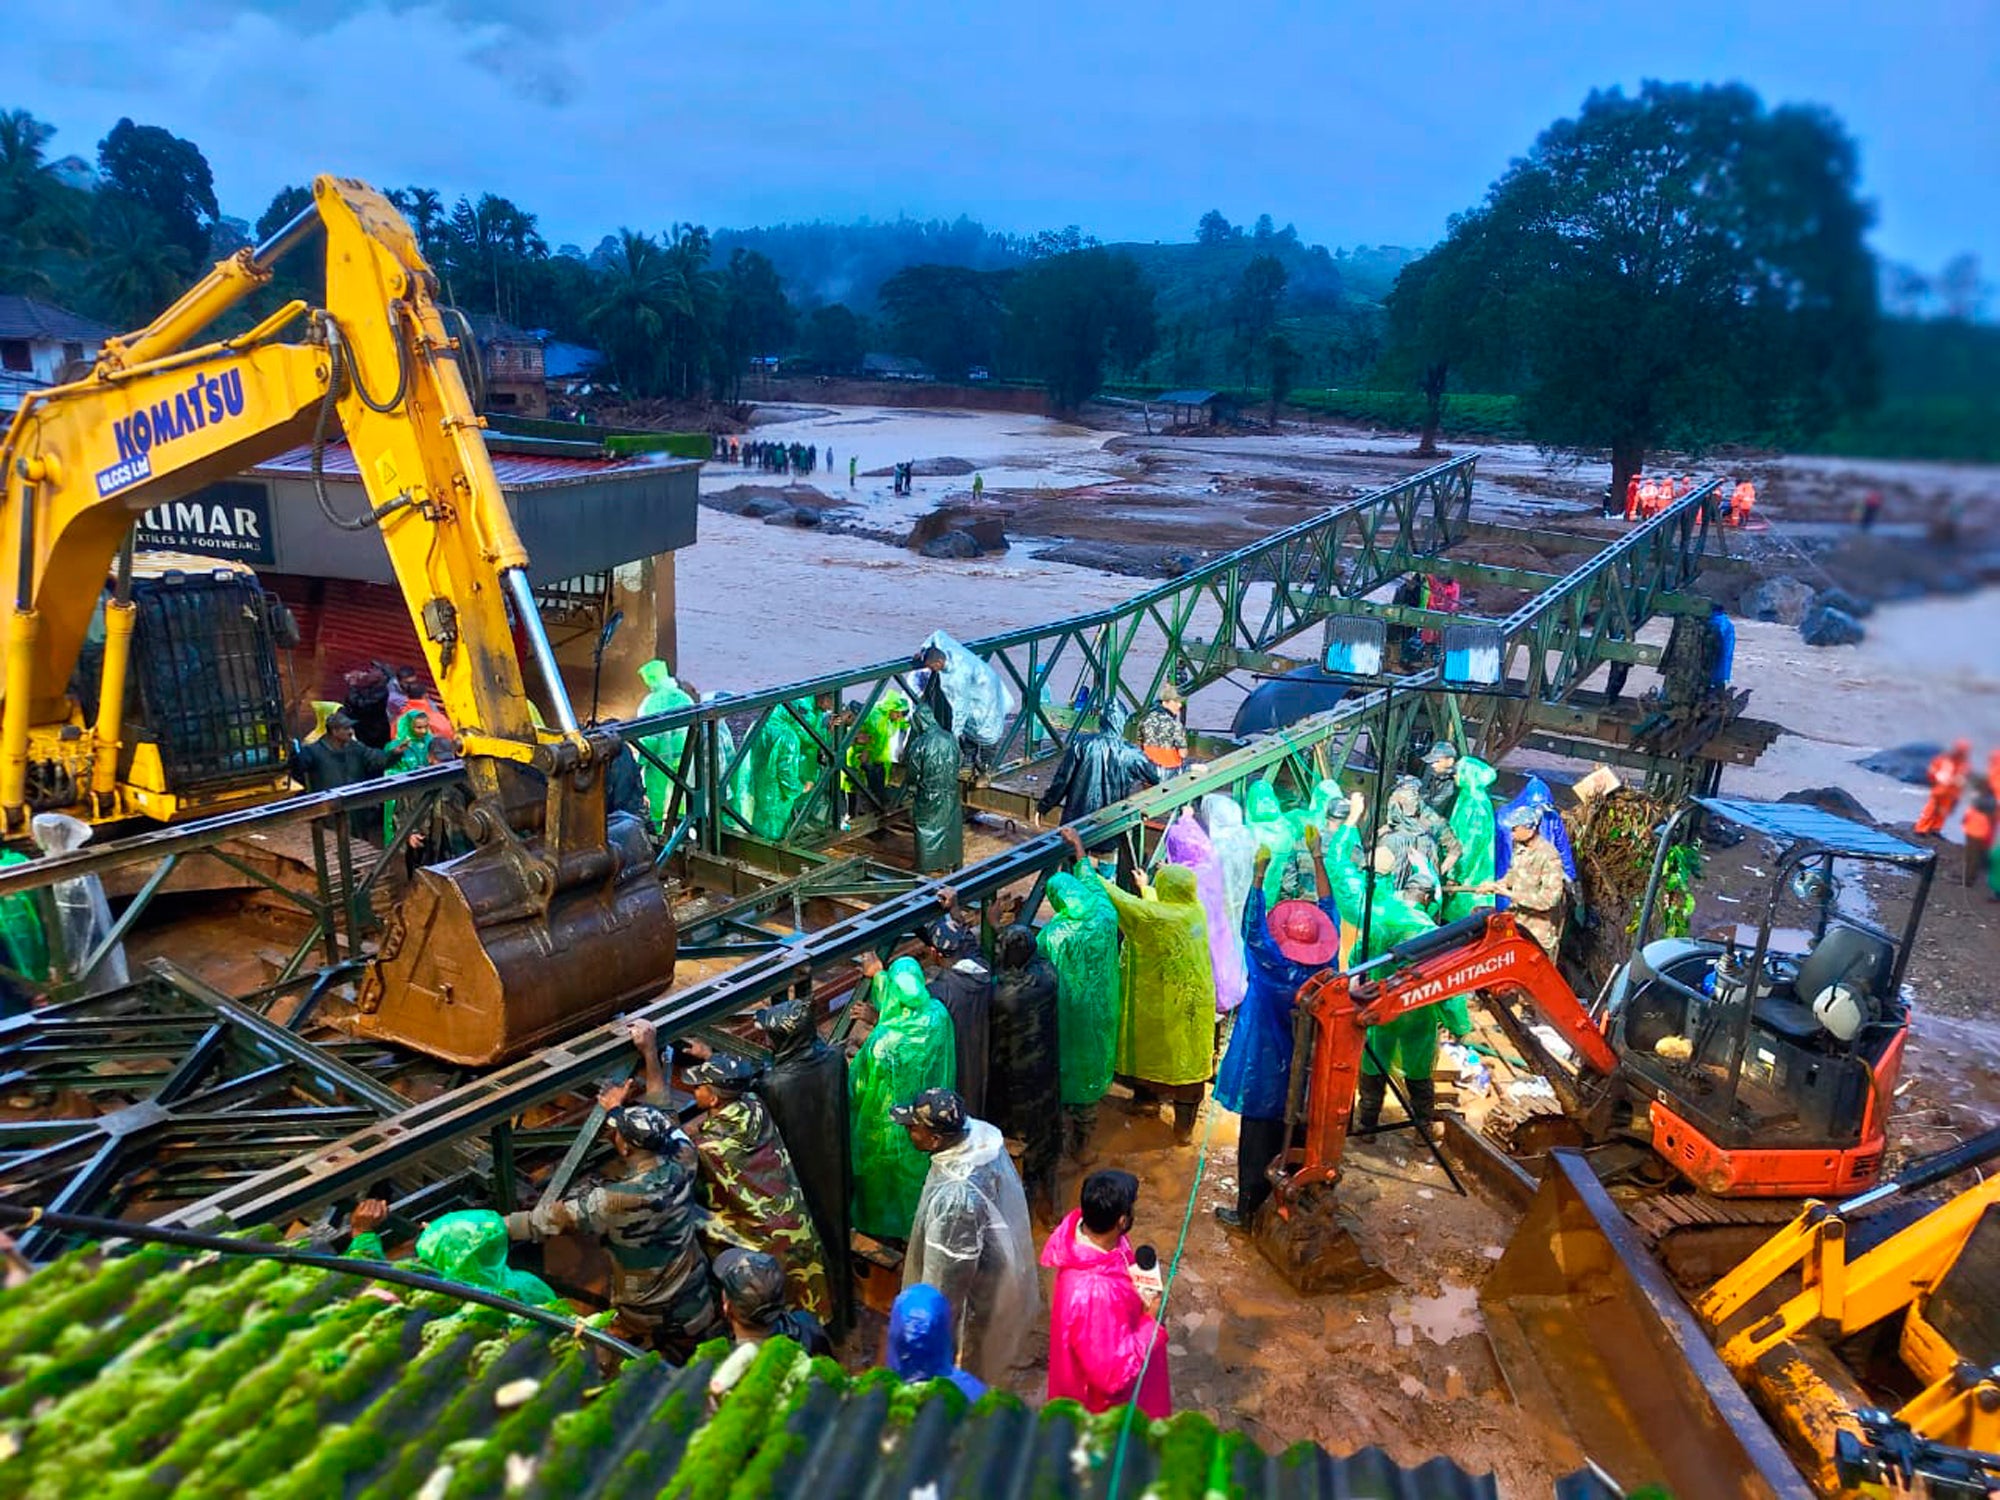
point(1360, 123)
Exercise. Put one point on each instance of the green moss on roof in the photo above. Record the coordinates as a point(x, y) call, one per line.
point(153, 1375)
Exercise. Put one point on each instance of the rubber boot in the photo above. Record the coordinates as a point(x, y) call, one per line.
point(1423, 1099)
point(1368, 1107)
point(1185, 1113)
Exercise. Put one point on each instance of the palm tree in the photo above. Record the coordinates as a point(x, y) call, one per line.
point(136, 267)
point(39, 214)
point(641, 294)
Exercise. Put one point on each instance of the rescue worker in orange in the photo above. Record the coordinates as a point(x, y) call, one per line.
point(1632, 498)
point(1742, 500)
point(1948, 773)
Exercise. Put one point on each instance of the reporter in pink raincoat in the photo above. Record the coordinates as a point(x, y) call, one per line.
point(1101, 1326)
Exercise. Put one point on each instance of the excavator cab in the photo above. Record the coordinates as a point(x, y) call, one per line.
point(1769, 1051)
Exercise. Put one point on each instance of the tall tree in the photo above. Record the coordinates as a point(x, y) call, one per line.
point(1445, 311)
point(638, 297)
point(1683, 267)
point(1213, 229)
point(756, 318)
point(1282, 357)
point(424, 208)
point(835, 338)
point(949, 317)
point(1076, 313)
point(165, 175)
point(1253, 308)
point(136, 267)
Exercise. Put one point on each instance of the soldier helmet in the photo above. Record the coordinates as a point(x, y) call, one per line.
point(646, 1126)
point(725, 1071)
point(753, 1282)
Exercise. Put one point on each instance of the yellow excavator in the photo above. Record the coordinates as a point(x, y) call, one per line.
point(554, 919)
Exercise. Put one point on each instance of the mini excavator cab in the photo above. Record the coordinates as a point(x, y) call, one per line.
point(1770, 1052)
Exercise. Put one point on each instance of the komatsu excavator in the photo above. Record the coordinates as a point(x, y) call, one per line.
point(553, 919)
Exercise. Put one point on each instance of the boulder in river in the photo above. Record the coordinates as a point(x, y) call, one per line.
point(951, 544)
point(1826, 626)
point(1783, 599)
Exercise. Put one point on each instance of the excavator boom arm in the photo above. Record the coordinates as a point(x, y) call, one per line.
point(1496, 956)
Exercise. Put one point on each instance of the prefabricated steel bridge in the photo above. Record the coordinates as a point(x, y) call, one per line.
point(219, 1106)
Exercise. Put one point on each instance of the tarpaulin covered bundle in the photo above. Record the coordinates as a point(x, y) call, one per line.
point(1024, 1046)
point(470, 1246)
point(1166, 1031)
point(909, 1050)
point(805, 1088)
point(1478, 836)
point(1187, 843)
point(973, 1241)
point(1536, 794)
point(83, 915)
point(1235, 846)
point(663, 695)
point(981, 702)
point(1081, 939)
point(931, 768)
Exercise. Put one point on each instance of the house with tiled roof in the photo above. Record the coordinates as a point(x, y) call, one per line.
point(37, 339)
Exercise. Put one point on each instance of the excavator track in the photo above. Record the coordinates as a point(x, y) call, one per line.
point(1697, 1238)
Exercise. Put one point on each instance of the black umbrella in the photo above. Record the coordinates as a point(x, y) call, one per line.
point(1279, 701)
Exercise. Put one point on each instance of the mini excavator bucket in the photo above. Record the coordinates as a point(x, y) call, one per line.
point(1591, 1334)
point(1310, 1240)
point(525, 938)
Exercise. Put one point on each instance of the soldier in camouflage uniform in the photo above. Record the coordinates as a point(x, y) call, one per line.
point(649, 1220)
point(748, 1183)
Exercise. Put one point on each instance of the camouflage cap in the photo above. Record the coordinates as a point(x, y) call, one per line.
point(723, 1070)
point(785, 1023)
point(753, 1282)
point(940, 1110)
point(1439, 752)
point(646, 1126)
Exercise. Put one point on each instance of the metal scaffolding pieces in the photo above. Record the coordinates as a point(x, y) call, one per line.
point(1378, 722)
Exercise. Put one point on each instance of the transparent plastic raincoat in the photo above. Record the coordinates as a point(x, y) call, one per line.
point(782, 765)
point(981, 702)
point(920, 1340)
point(1081, 939)
point(1472, 820)
point(1235, 846)
point(1166, 1031)
point(1187, 843)
point(663, 695)
point(27, 945)
point(909, 1050)
point(972, 1240)
point(83, 915)
point(931, 768)
point(469, 1247)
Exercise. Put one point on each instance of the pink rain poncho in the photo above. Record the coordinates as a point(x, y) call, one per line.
point(1187, 843)
point(1099, 1330)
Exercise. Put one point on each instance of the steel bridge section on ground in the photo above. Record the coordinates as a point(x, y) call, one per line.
point(1660, 556)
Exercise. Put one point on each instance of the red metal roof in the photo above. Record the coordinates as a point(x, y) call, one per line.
point(517, 471)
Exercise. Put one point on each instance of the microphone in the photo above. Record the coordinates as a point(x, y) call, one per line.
point(1145, 1257)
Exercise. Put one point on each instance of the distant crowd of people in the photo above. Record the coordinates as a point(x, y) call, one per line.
point(774, 458)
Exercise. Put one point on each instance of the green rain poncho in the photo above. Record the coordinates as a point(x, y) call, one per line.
point(663, 695)
point(930, 765)
point(1166, 1029)
point(1472, 820)
point(1081, 940)
point(1265, 817)
point(27, 945)
point(409, 751)
point(910, 1050)
point(470, 1247)
point(781, 759)
point(1408, 1044)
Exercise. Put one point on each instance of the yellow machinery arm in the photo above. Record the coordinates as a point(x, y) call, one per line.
point(160, 416)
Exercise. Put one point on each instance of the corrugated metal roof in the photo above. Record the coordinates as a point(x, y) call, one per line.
point(1801, 821)
point(26, 318)
point(1185, 398)
point(154, 1374)
point(516, 471)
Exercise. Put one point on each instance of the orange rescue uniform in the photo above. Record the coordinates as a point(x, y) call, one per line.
point(1948, 773)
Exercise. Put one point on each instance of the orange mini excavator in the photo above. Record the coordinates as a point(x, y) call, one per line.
point(1758, 1063)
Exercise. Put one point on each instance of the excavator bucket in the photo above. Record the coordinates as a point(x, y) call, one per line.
point(1311, 1242)
point(476, 970)
point(1591, 1335)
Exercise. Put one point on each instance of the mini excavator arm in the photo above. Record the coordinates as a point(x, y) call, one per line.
point(1494, 955)
point(552, 920)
